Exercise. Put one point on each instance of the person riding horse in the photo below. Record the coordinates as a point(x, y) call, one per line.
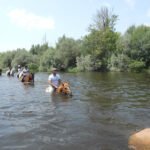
point(25, 75)
point(56, 85)
point(19, 71)
point(54, 79)
point(10, 71)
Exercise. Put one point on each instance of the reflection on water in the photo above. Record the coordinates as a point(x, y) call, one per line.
point(104, 110)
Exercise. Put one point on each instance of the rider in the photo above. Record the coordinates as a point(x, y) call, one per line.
point(19, 71)
point(54, 79)
point(10, 71)
point(25, 70)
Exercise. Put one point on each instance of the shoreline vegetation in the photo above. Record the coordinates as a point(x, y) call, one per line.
point(102, 49)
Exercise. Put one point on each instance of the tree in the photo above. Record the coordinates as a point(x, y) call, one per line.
point(139, 44)
point(104, 19)
point(67, 49)
point(47, 60)
point(38, 49)
point(100, 43)
point(22, 58)
point(7, 58)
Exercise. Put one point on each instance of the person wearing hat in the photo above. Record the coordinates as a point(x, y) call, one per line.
point(54, 79)
point(19, 71)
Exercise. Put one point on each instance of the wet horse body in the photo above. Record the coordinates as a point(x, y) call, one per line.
point(63, 88)
point(28, 78)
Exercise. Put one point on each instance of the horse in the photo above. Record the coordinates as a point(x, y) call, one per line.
point(28, 78)
point(63, 88)
point(140, 140)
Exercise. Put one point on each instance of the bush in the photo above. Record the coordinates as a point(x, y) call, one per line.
point(84, 63)
point(73, 70)
point(137, 66)
point(33, 67)
point(119, 62)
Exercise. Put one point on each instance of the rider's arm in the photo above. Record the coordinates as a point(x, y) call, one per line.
point(49, 81)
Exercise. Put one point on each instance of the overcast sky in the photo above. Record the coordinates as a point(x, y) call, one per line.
point(25, 22)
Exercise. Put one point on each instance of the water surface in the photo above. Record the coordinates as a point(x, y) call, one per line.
point(104, 110)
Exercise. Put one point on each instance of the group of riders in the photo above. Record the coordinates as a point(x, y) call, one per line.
point(54, 80)
point(23, 73)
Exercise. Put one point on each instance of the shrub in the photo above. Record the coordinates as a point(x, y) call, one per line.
point(119, 62)
point(73, 70)
point(33, 67)
point(137, 66)
point(84, 63)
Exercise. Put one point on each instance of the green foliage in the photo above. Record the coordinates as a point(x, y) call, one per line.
point(67, 49)
point(84, 63)
point(7, 58)
point(38, 49)
point(72, 70)
point(47, 60)
point(33, 67)
point(100, 43)
point(22, 57)
point(139, 44)
point(104, 19)
point(136, 66)
point(119, 62)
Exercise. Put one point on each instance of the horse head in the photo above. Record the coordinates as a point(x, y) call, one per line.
point(64, 88)
point(29, 78)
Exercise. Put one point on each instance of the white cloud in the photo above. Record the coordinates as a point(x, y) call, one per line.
point(131, 3)
point(29, 20)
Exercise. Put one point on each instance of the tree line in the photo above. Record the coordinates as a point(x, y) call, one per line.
point(102, 49)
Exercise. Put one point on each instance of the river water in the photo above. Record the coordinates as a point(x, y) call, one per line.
point(105, 109)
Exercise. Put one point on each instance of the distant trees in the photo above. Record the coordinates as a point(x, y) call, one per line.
point(38, 49)
point(17, 57)
point(135, 46)
point(101, 49)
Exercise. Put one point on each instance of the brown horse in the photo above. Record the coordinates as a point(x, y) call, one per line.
point(28, 79)
point(64, 88)
point(140, 140)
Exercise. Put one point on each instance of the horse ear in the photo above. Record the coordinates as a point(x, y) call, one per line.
point(67, 82)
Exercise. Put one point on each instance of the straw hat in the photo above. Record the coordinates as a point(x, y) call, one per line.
point(54, 69)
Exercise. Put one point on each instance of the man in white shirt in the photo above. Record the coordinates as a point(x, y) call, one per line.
point(19, 71)
point(54, 79)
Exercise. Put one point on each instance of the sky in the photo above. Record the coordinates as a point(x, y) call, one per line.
point(27, 22)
